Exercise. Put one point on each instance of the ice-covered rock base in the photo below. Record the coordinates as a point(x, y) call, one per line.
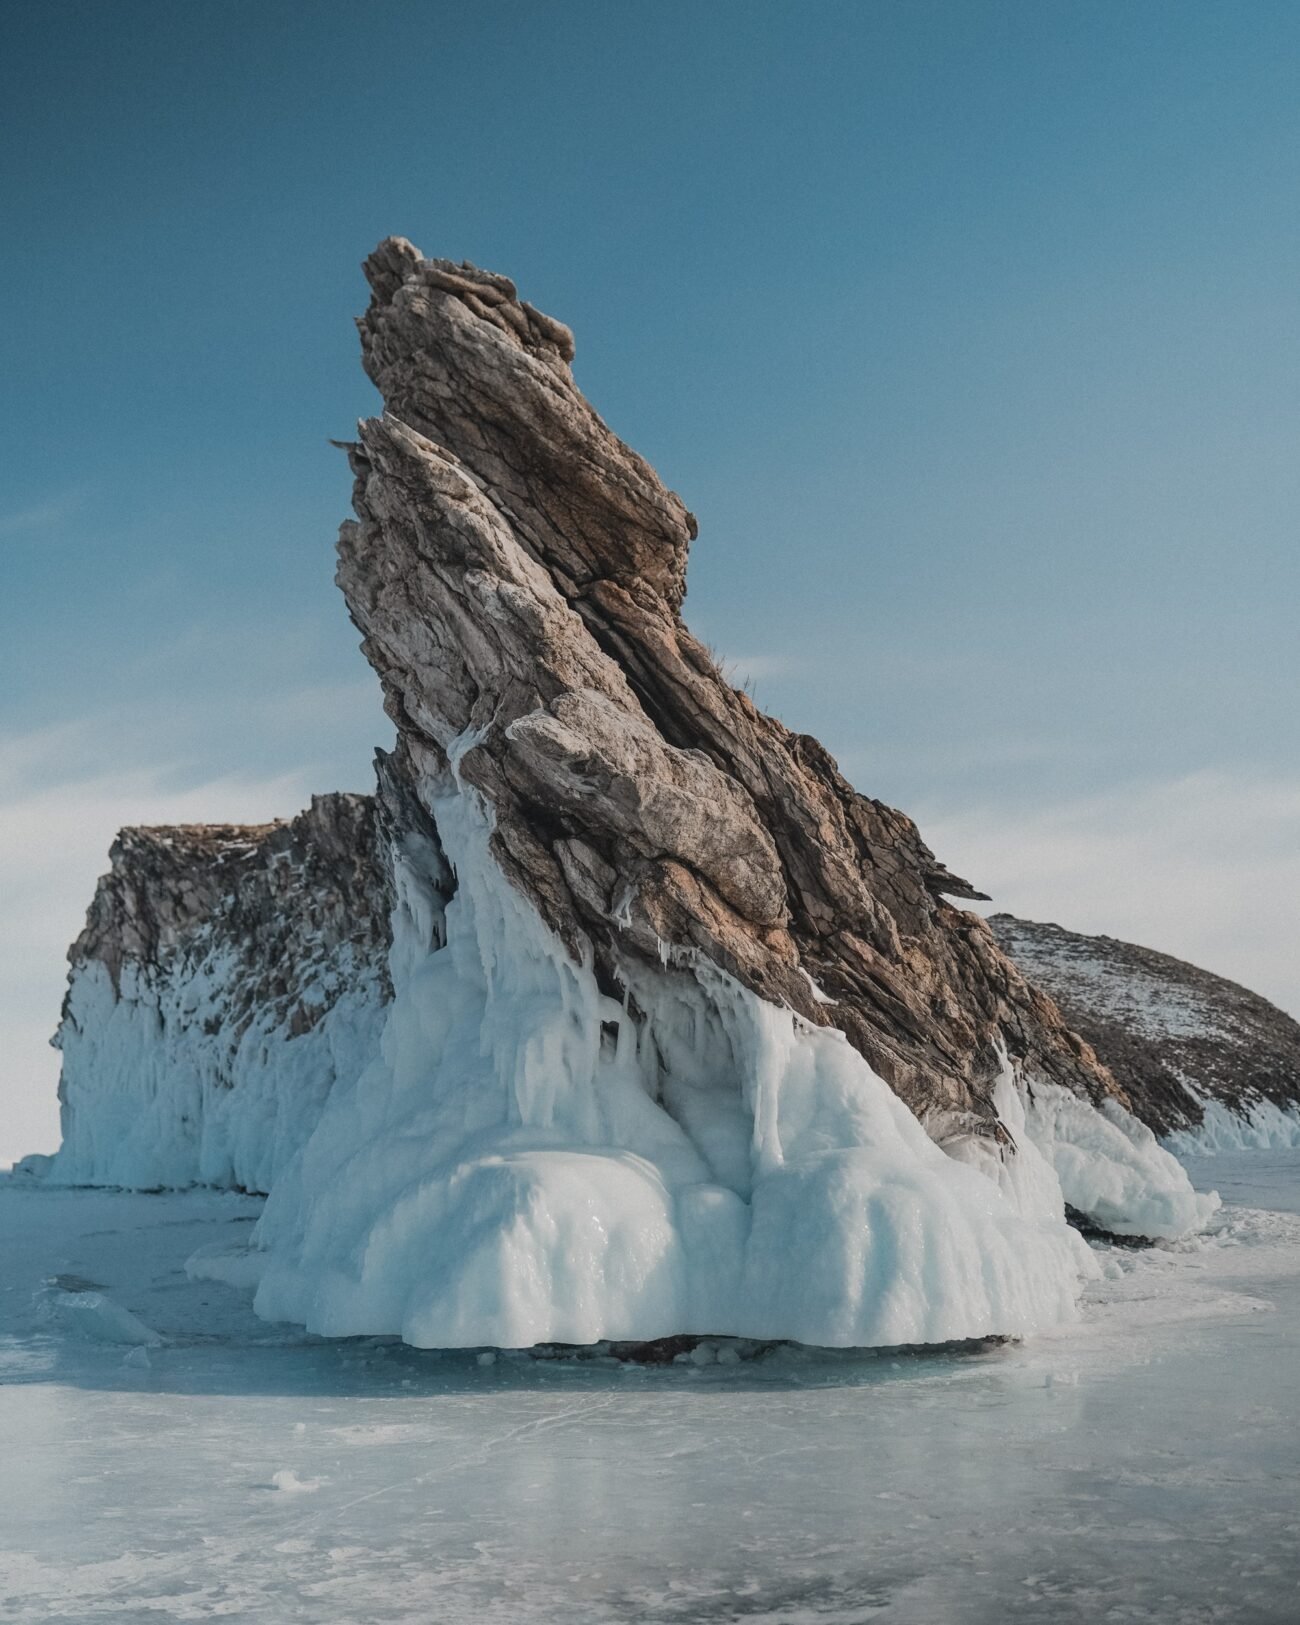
point(531, 1161)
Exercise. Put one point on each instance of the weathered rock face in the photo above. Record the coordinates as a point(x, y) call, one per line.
point(1186, 1045)
point(518, 574)
point(226, 977)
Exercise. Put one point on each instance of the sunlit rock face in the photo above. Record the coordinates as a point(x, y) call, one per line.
point(226, 977)
point(518, 575)
point(1204, 1061)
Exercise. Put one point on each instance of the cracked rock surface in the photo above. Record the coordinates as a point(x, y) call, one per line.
point(518, 573)
point(283, 898)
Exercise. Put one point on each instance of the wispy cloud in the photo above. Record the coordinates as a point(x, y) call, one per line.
point(209, 730)
point(1204, 866)
point(41, 515)
point(756, 665)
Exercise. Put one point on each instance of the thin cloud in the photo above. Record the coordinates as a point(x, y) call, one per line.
point(209, 734)
point(1205, 866)
point(756, 666)
point(41, 515)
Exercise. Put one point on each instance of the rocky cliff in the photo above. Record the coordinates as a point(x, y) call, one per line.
point(655, 1075)
point(518, 574)
point(226, 977)
point(1201, 1058)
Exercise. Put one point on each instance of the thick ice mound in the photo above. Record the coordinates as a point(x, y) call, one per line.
point(1021, 1171)
point(1112, 1168)
point(526, 1163)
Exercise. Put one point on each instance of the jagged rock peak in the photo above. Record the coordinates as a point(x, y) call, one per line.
point(448, 344)
point(1179, 1039)
point(517, 573)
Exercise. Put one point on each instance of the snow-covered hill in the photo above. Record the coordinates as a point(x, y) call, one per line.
point(1205, 1062)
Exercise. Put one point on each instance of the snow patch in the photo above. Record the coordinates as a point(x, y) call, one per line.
point(287, 1480)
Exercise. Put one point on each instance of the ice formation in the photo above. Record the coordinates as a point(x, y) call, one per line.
point(171, 1107)
point(1262, 1126)
point(525, 1163)
point(1112, 1168)
point(83, 1311)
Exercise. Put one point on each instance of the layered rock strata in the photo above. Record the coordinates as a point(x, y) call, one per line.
point(518, 575)
point(1201, 1058)
point(653, 1076)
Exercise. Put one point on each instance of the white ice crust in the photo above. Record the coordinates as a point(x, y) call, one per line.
point(153, 1096)
point(1263, 1126)
point(526, 1163)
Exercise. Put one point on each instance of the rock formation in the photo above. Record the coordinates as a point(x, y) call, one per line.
point(226, 977)
point(518, 575)
point(668, 1002)
point(1202, 1059)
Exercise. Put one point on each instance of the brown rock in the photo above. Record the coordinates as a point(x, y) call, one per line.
point(517, 573)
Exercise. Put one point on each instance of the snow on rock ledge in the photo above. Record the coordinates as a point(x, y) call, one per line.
point(226, 978)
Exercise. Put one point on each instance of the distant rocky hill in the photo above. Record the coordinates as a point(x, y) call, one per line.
point(1202, 1058)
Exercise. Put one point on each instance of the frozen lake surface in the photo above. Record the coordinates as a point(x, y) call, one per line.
point(1143, 1465)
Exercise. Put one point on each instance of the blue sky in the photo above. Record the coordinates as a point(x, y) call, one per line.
point(969, 331)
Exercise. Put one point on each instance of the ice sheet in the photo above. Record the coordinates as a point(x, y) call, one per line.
point(1142, 1465)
